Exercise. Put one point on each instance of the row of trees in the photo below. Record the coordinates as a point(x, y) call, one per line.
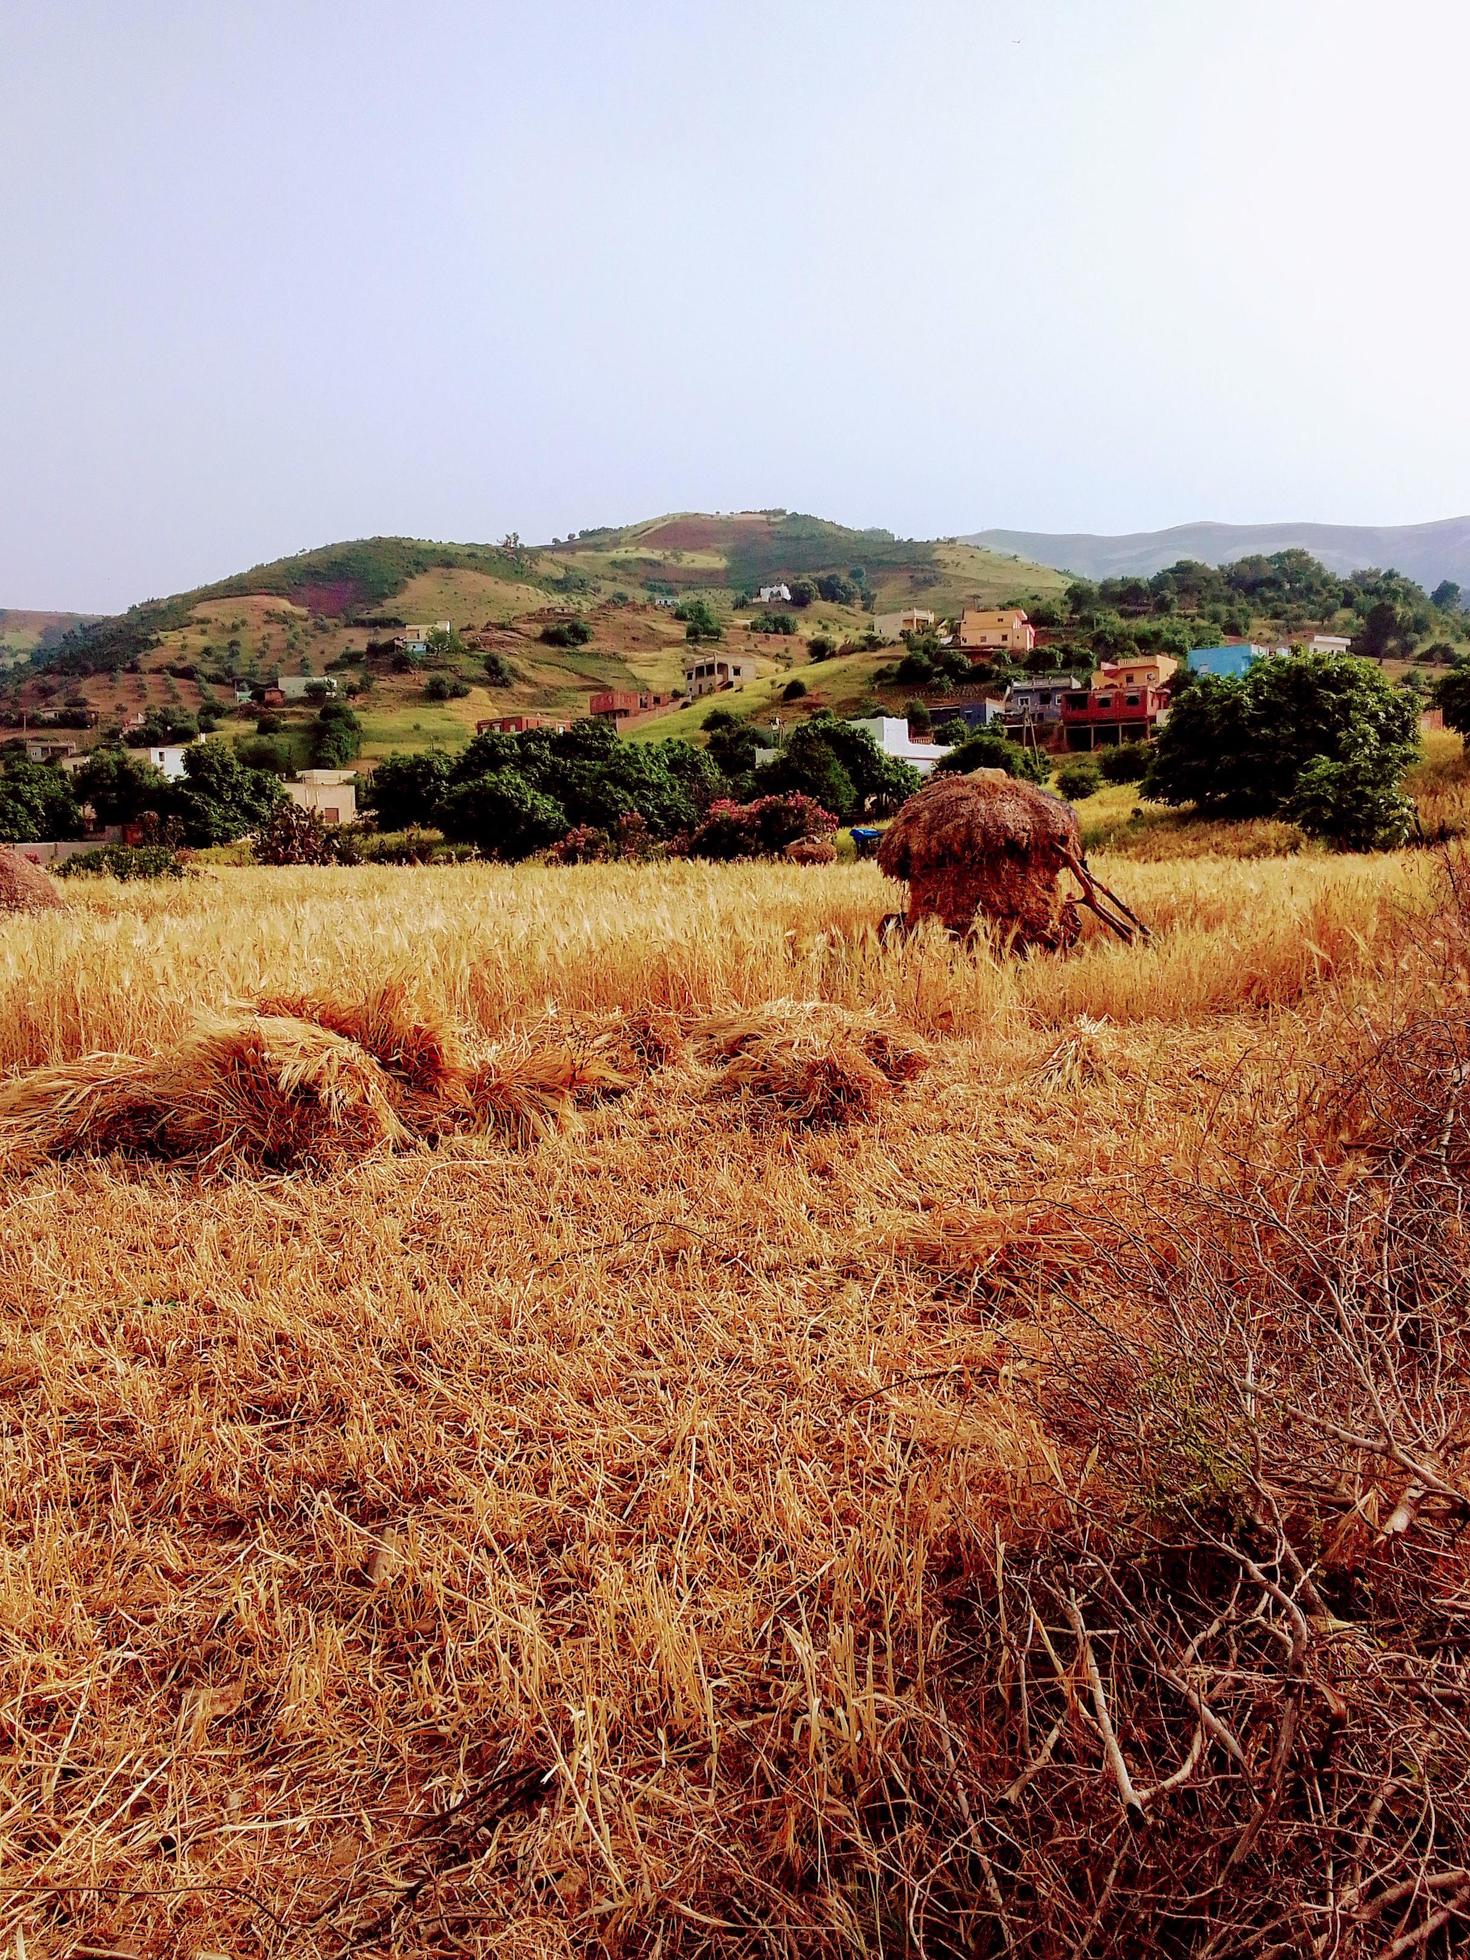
point(219, 798)
point(510, 795)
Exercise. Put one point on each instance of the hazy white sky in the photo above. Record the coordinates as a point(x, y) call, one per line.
point(276, 272)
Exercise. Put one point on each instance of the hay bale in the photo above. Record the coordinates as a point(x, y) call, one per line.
point(267, 1093)
point(811, 850)
point(986, 848)
point(25, 887)
point(808, 1064)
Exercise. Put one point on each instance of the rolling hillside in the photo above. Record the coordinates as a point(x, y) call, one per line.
point(1424, 552)
point(321, 611)
point(23, 634)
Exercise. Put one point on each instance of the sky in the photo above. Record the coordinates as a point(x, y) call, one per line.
point(275, 273)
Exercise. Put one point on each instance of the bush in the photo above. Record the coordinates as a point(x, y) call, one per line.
point(920, 721)
point(794, 690)
point(498, 670)
point(819, 647)
point(445, 687)
point(987, 748)
point(1126, 762)
point(291, 835)
point(502, 816)
point(1079, 778)
point(1353, 804)
point(567, 633)
point(405, 791)
point(760, 829)
point(701, 622)
point(782, 624)
point(124, 862)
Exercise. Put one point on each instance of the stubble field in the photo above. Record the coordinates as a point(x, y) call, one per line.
point(697, 1530)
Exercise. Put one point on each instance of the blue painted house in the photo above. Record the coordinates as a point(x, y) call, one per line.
point(1228, 662)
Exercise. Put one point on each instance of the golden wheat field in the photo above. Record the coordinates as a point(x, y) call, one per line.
point(926, 1513)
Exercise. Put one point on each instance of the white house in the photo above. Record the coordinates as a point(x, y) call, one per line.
point(169, 759)
point(772, 595)
point(891, 733)
point(710, 673)
point(297, 687)
point(330, 793)
point(1327, 643)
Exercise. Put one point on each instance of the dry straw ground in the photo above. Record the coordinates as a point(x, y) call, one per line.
point(1013, 1508)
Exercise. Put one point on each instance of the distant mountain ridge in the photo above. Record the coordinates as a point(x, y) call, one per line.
point(1426, 552)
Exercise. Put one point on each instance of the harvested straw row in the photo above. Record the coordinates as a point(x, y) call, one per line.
point(311, 1083)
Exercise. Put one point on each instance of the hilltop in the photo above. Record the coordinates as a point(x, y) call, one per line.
point(23, 634)
point(333, 609)
point(1424, 552)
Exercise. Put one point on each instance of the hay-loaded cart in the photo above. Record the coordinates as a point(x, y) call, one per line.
point(989, 850)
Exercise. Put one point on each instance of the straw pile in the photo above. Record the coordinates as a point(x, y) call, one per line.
point(986, 846)
point(811, 850)
point(25, 887)
point(808, 1064)
point(303, 1083)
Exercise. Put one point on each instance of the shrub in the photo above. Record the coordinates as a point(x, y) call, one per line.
point(502, 816)
point(1125, 762)
point(1079, 778)
point(1354, 804)
point(445, 687)
point(920, 721)
point(498, 670)
point(124, 862)
point(760, 829)
point(819, 647)
point(782, 624)
point(567, 633)
point(987, 748)
point(794, 690)
point(291, 835)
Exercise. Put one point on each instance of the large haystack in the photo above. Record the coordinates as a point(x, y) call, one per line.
point(988, 847)
point(25, 887)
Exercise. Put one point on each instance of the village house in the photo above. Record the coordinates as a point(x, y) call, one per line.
point(1005, 629)
point(43, 748)
point(330, 794)
point(893, 626)
point(518, 724)
point(623, 704)
point(299, 687)
point(712, 673)
point(1036, 702)
point(415, 639)
point(1103, 716)
point(1328, 643)
point(891, 733)
point(168, 759)
point(774, 595)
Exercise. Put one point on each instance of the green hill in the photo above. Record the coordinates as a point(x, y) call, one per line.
point(327, 609)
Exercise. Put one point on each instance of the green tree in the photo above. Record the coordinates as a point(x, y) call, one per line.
point(498, 671)
point(1355, 803)
point(1238, 747)
point(987, 748)
point(405, 791)
point(1078, 778)
point(1452, 696)
point(336, 736)
point(502, 816)
point(701, 621)
point(37, 804)
point(1446, 595)
point(920, 721)
point(120, 786)
point(219, 798)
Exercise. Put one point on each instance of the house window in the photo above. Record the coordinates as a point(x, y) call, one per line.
point(1131, 699)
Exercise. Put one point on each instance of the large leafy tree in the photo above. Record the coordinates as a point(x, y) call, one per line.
point(1240, 747)
point(405, 791)
point(37, 804)
point(120, 786)
point(501, 815)
point(219, 798)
